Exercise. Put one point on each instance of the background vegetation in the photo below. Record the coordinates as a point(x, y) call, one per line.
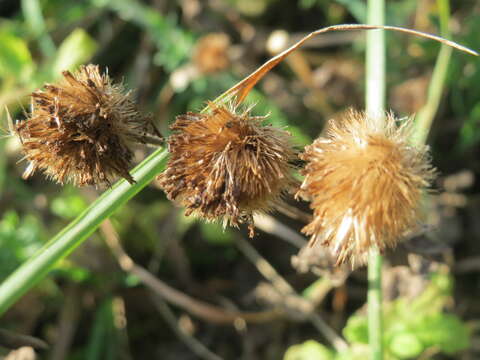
point(95, 306)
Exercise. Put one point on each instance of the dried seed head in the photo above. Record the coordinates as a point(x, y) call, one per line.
point(80, 130)
point(227, 166)
point(211, 53)
point(365, 183)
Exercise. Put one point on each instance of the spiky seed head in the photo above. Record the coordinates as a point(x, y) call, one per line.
point(80, 130)
point(365, 182)
point(227, 166)
point(211, 53)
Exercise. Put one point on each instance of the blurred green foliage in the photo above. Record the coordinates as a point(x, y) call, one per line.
point(410, 328)
point(20, 237)
point(69, 205)
point(142, 44)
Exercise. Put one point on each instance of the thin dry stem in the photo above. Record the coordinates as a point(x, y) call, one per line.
point(291, 297)
point(195, 307)
point(195, 345)
point(241, 89)
point(271, 225)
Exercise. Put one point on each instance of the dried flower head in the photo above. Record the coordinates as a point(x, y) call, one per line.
point(211, 53)
point(365, 182)
point(227, 166)
point(80, 130)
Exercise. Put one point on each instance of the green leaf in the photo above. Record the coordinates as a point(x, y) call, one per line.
point(76, 49)
point(445, 331)
point(20, 238)
point(308, 4)
point(72, 272)
point(131, 280)
point(433, 298)
point(406, 345)
point(356, 330)
point(33, 16)
point(103, 340)
point(216, 234)
point(173, 43)
point(470, 134)
point(309, 350)
point(15, 58)
point(357, 352)
point(68, 206)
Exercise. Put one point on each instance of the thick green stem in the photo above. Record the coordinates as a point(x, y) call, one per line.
point(38, 266)
point(375, 107)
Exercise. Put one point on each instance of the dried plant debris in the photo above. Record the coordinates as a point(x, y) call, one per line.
point(81, 129)
point(365, 182)
point(211, 53)
point(226, 165)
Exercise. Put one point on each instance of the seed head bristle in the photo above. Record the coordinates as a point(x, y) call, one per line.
point(81, 129)
point(365, 182)
point(227, 166)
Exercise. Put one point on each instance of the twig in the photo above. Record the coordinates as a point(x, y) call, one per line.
point(284, 288)
point(195, 307)
point(12, 340)
point(293, 212)
point(67, 324)
point(272, 226)
point(196, 346)
point(327, 40)
point(169, 232)
point(242, 88)
point(318, 290)
point(465, 266)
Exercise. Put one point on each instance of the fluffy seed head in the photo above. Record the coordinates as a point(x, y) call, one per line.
point(365, 183)
point(80, 130)
point(227, 166)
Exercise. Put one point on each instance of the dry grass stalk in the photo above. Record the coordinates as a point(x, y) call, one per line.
point(240, 90)
point(211, 53)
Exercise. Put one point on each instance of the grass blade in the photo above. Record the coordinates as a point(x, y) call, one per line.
point(36, 268)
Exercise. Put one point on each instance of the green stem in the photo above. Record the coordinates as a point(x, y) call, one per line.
point(375, 107)
point(375, 61)
point(38, 266)
point(425, 116)
point(375, 306)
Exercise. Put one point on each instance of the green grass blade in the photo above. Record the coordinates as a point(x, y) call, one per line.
point(425, 116)
point(34, 18)
point(36, 268)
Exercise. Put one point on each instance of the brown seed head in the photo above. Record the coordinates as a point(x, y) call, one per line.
point(227, 166)
point(211, 53)
point(365, 183)
point(80, 129)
